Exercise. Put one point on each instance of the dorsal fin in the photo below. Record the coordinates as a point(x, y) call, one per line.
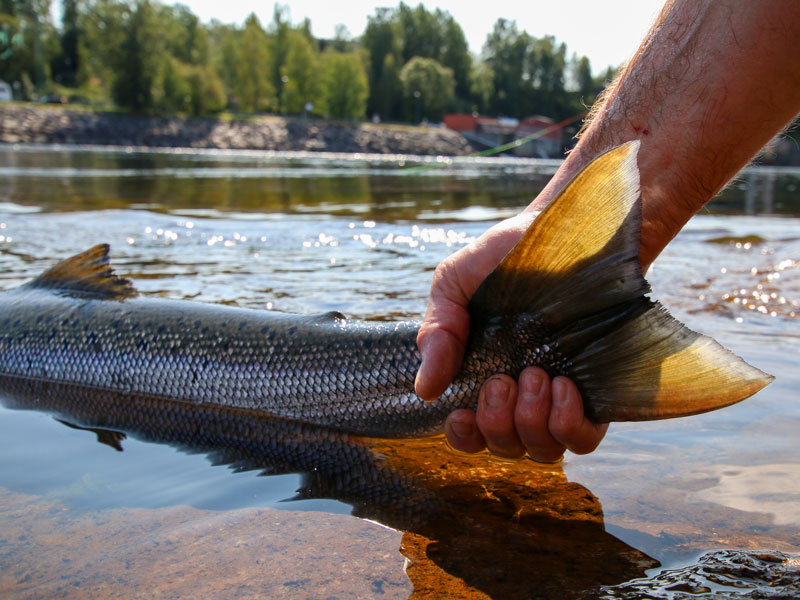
point(332, 316)
point(86, 274)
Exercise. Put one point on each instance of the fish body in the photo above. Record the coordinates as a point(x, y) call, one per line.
point(569, 297)
point(323, 369)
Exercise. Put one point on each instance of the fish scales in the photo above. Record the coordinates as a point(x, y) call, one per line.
point(570, 298)
point(324, 369)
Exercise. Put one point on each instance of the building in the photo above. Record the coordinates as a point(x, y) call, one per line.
point(546, 142)
point(491, 132)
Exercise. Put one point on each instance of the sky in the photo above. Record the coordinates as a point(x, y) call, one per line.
point(607, 31)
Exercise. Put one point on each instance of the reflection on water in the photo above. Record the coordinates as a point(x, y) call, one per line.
point(386, 187)
point(471, 521)
point(305, 234)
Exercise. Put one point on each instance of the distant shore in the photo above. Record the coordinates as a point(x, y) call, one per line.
point(20, 124)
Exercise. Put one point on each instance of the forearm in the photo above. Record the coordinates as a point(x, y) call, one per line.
point(713, 81)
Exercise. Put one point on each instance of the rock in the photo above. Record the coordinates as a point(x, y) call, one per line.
point(50, 125)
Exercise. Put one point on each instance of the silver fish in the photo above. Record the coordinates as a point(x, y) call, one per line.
point(570, 297)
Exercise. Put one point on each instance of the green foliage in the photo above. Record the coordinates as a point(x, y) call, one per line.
point(435, 35)
point(301, 77)
point(278, 47)
point(27, 42)
point(481, 86)
point(64, 65)
point(346, 86)
point(141, 59)
point(428, 88)
point(396, 36)
point(410, 63)
point(388, 94)
point(253, 88)
point(382, 42)
point(206, 91)
point(529, 73)
point(103, 27)
point(224, 50)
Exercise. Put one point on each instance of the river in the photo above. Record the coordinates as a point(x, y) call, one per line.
point(252, 515)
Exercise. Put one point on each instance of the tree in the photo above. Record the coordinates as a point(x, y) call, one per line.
point(28, 43)
point(103, 26)
point(224, 46)
point(481, 86)
point(254, 91)
point(428, 88)
point(382, 43)
point(529, 73)
point(64, 66)
point(435, 35)
point(172, 94)
point(419, 31)
point(185, 37)
point(543, 84)
point(455, 54)
point(388, 100)
point(505, 51)
point(346, 86)
point(206, 91)
point(141, 59)
point(342, 40)
point(279, 47)
point(301, 77)
point(581, 75)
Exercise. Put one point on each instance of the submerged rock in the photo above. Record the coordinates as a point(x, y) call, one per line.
point(721, 574)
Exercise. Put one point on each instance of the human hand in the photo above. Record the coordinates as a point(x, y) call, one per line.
point(536, 416)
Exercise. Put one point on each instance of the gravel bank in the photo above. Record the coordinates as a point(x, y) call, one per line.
point(55, 125)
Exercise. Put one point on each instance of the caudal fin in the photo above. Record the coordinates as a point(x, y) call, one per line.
point(576, 274)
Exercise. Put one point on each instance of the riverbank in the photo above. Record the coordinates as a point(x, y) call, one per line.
point(57, 125)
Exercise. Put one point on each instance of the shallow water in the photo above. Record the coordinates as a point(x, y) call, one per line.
point(361, 234)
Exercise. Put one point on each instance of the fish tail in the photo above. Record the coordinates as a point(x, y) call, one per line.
point(576, 274)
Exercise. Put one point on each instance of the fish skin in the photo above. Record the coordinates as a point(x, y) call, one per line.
point(325, 369)
point(328, 370)
point(569, 298)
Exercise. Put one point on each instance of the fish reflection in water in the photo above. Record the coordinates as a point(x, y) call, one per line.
point(506, 529)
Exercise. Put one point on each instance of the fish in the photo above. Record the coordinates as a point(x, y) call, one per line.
point(570, 297)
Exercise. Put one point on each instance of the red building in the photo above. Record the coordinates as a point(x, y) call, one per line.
point(491, 132)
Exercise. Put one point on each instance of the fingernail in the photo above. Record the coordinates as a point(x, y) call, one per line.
point(496, 393)
point(461, 429)
point(560, 392)
point(530, 386)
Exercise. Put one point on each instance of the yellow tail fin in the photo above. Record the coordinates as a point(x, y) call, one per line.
point(576, 274)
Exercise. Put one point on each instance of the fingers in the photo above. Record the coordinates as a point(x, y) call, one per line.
point(532, 416)
point(495, 416)
point(443, 334)
point(535, 416)
point(567, 422)
point(462, 431)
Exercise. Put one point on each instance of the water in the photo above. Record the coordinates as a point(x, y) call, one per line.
point(184, 513)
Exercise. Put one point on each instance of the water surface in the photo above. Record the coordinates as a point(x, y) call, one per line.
point(188, 515)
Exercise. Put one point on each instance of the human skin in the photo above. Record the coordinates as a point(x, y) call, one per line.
point(711, 83)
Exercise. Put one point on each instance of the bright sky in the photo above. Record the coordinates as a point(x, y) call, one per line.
point(606, 31)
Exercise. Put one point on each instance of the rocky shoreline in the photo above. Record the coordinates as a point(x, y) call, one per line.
point(21, 124)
